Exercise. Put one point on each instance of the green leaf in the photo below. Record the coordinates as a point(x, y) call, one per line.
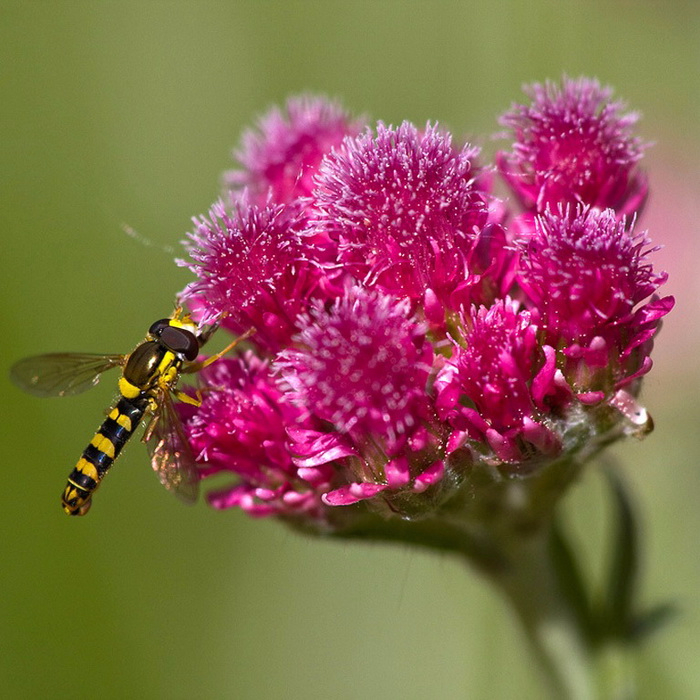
point(617, 607)
point(646, 623)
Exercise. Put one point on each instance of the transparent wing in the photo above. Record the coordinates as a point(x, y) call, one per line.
point(171, 456)
point(62, 373)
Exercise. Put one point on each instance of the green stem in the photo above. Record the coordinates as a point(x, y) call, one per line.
point(530, 584)
point(504, 527)
point(615, 672)
point(522, 569)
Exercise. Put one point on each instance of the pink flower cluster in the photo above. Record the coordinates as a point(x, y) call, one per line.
point(411, 327)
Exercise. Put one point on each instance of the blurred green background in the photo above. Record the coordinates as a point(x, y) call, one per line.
point(125, 113)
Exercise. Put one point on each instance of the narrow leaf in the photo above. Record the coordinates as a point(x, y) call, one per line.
point(648, 622)
point(617, 609)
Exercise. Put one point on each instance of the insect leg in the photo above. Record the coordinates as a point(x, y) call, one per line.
point(197, 366)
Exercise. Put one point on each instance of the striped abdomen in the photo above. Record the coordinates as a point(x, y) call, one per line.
point(99, 455)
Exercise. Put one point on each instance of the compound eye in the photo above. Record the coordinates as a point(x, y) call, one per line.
point(180, 341)
point(157, 328)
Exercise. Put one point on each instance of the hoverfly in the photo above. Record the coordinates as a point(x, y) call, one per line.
point(149, 380)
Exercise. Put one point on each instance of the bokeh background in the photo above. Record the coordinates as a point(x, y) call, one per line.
point(126, 112)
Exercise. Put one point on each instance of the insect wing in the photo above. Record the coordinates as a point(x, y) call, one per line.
point(171, 456)
point(63, 373)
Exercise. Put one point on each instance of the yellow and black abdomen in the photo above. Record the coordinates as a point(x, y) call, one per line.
point(100, 454)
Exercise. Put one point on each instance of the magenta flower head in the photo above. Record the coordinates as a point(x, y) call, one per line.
point(588, 273)
point(362, 367)
point(251, 270)
point(494, 389)
point(573, 145)
point(282, 156)
point(405, 210)
point(240, 431)
point(362, 364)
